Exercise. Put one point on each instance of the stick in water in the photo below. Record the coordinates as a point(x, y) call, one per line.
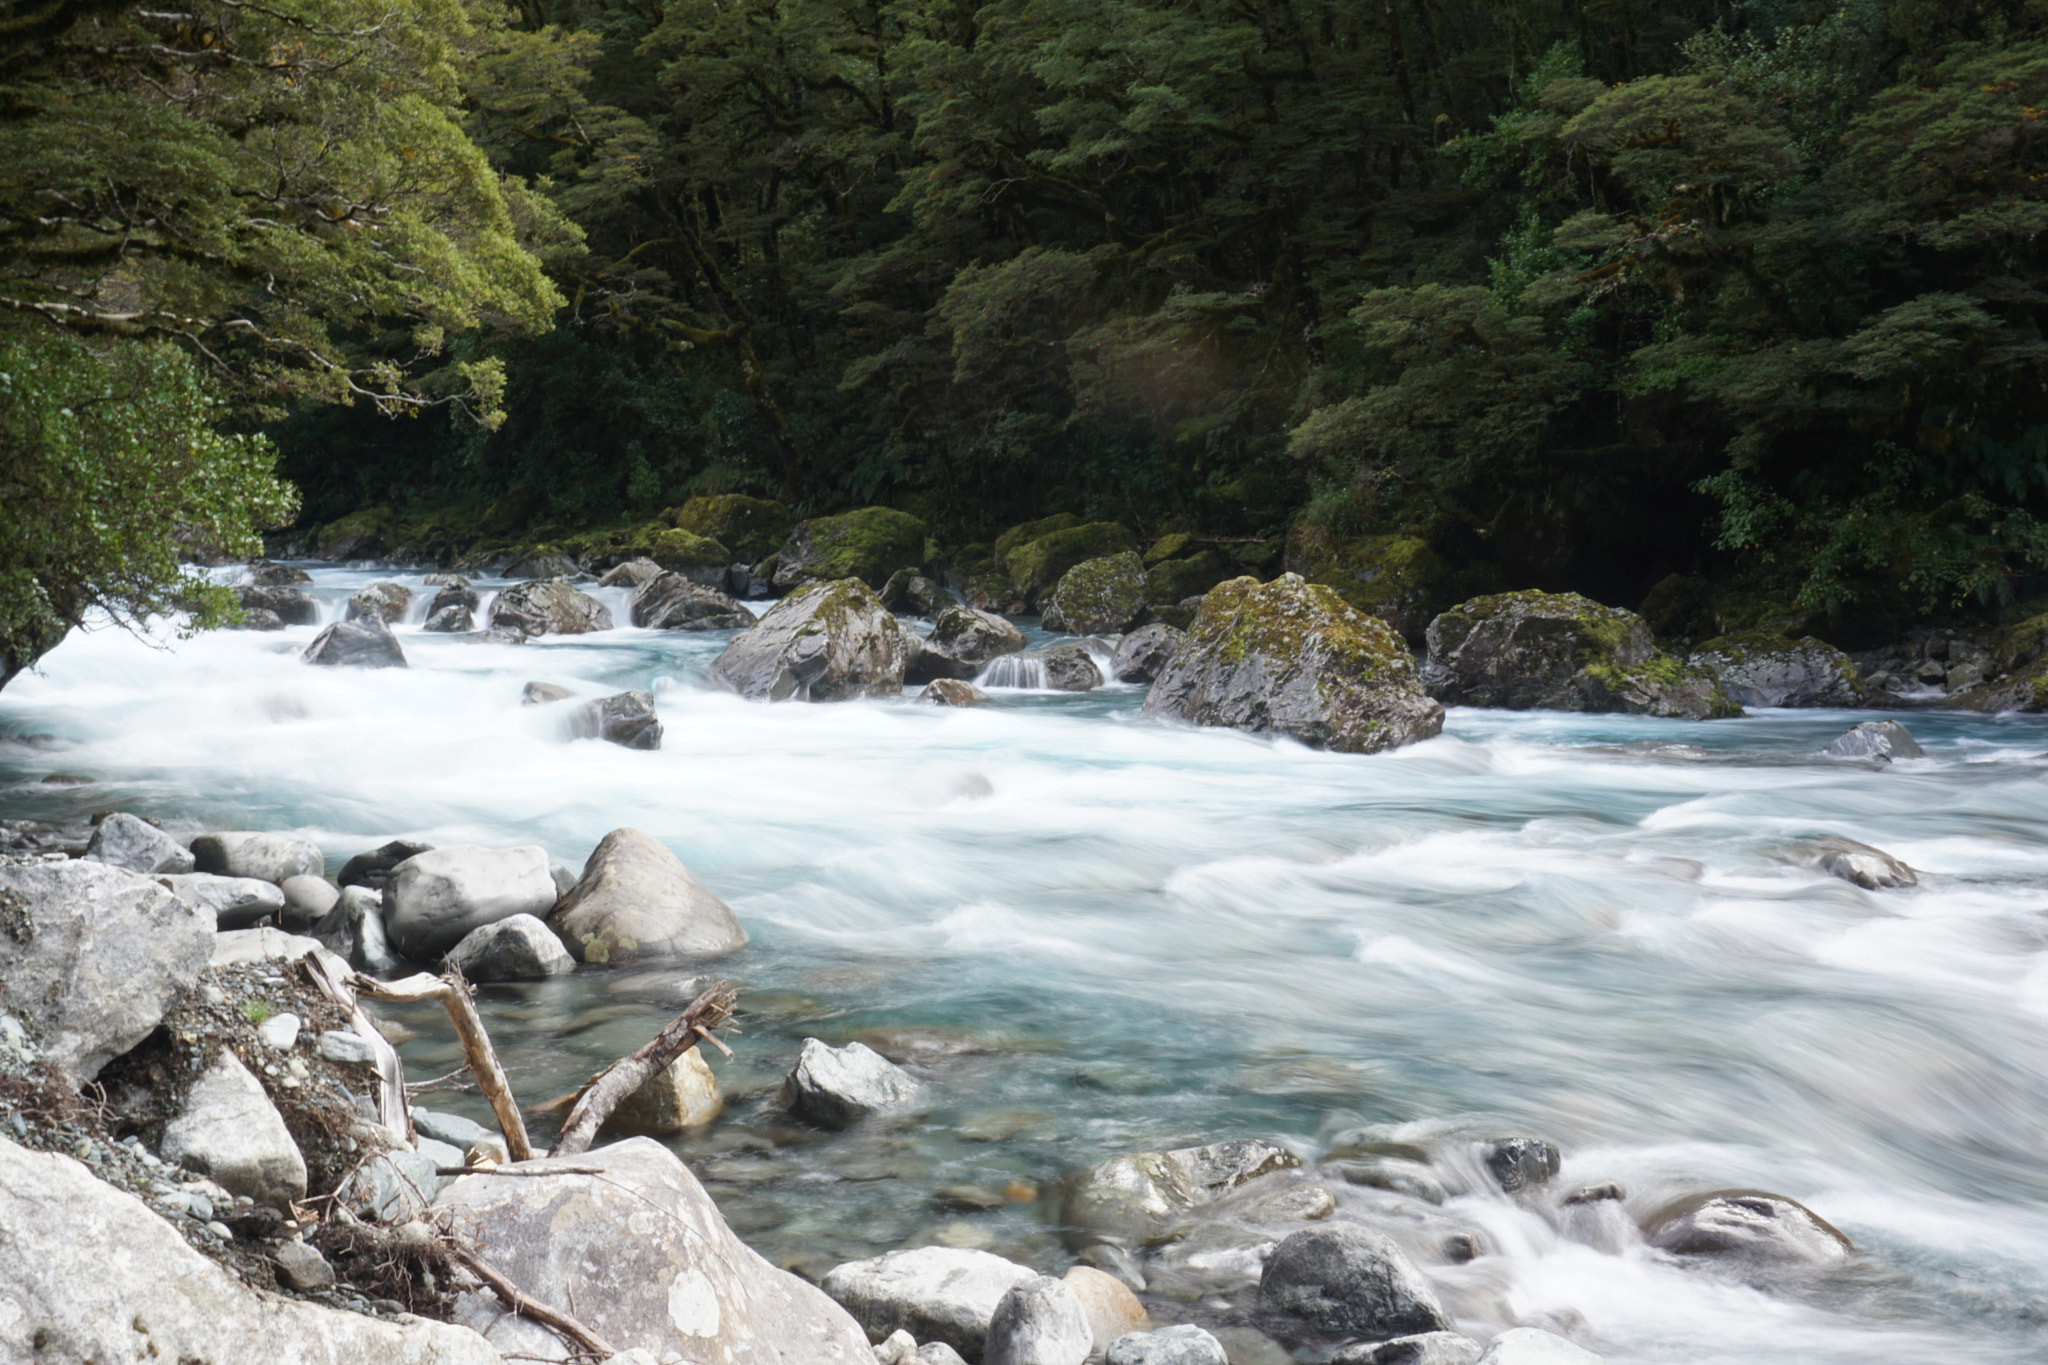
point(453, 993)
point(708, 1011)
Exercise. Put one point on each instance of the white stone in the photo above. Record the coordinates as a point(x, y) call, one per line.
point(132, 844)
point(934, 1293)
point(838, 1087)
point(1039, 1322)
point(279, 1031)
point(234, 902)
point(252, 853)
point(229, 1130)
point(517, 949)
point(434, 899)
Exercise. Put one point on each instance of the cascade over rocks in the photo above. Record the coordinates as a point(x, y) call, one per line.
point(1761, 669)
point(1144, 654)
point(1102, 596)
point(1533, 1346)
point(549, 606)
point(672, 602)
point(1563, 652)
point(962, 641)
point(869, 544)
point(384, 601)
point(229, 1130)
point(937, 1294)
point(636, 902)
point(134, 845)
point(825, 642)
point(253, 853)
point(1346, 1280)
point(366, 643)
point(627, 719)
point(1748, 1229)
point(434, 899)
point(1292, 657)
point(646, 1260)
point(520, 948)
point(838, 1087)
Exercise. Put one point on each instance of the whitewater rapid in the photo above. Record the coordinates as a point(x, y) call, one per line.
point(1111, 934)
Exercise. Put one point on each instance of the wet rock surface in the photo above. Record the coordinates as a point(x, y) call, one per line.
point(636, 902)
point(838, 1087)
point(365, 643)
point(830, 641)
point(549, 606)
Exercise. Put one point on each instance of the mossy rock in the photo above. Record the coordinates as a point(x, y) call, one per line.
point(750, 527)
point(828, 641)
point(1029, 531)
point(1761, 669)
point(676, 548)
point(2020, 653)
point(1169, 547)
point(1680, 609)
point(1400, 579)
point(868, 544)
point(1294, 658)
point(1169, 582)
point(1563, 652)
point(1035, 566)
point(510, 512)
point(1104, 596)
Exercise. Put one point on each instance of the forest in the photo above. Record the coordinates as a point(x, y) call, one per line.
point(1724, 310)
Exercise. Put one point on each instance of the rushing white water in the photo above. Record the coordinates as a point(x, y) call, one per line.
point(1124, 934)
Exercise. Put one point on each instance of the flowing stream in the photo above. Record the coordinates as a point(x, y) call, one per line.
point(1095, 933)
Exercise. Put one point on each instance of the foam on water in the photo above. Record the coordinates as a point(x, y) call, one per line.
point(1146, 934)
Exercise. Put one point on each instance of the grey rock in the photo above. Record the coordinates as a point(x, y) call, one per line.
point(937, 1353)
point(280, 1031)
point(521, 948)
point(1070, 668)
point(911, 593)
point(636, 902)
point(1397, 1174)
point(935, 1293)
point(541, 566)
point(455, 619)
point(1138, 1199)
point(458, 1132)
point(548, 607)
point(307, 901)
point(354, 931)
point(434, 899)
point(92, 956)
point(1517, 1163)
point(269, 574)
point(1144, 654)
point(627, 719)
point(385, 602)
point(1038, 1322)
point(898, 1348)
point(302, 1268)
point(289, 605)
point(565, 878)
point(633, 573)
point(394, 1187)
point(1878, 739)
point(541, 694)
point(1101, 596)
point(134, 845)
point(1749, 1228)
point(1186, 1344)
point(1424, 1348)
point(1533, 1346)
point(234, 902)
point(952, 692)
point(825, 642)
point(1764, 670)
point(838, 1087)
point(1870, 868)
point(367, 643)
point(962, 642)
point(346, 1048)
point(86, 1263)
point(258, 618)
point(230, 1131)
point(250, 853)
point(1343, 1279)
point(673, 602)
point(678, 1283)
point(373, 869)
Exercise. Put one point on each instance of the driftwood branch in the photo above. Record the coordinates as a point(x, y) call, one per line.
point(519, 1302)
point(707, 1012)
point(453, 993)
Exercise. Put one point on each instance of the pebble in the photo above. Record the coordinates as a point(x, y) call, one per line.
point(220, 1230)
point(280, 1031)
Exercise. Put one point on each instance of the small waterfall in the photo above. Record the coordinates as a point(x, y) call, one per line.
point(416, 609)
point(617, 600)
point(1014, 670)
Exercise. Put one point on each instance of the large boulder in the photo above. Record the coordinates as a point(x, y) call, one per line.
point(911, 593)
point(838, 1087)
point(548, 606)
point(636, 902)
point(869, 544)
point(1175, 570)
point(384, 601)
point(1036, 565)
point(1144, 654)
point(253, 853)
point(132, 844)
point(228, 1129)
point(94, 1275)
point(626, 1237)
point(627, 719)
point(672, 602)
point(1346, 1280)
point(1139, 1199)
point(91, 956)
point(233, 902)
point(291, 606)
point(1040, 1321)
point(1563, 652)
point(1747, 1228)
point(1102, 596)
point(1397, 578)
point(1112, 1310)
point(366, 643)
point(435, 899)
point(633, 573)
point(962, 642)
point(750, 527)
point(937, 1294)
point(826, 642)
point(521, 948)
point(1292, 657)
point(1761, 669)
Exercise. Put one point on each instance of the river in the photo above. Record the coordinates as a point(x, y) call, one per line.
point(1097, 933)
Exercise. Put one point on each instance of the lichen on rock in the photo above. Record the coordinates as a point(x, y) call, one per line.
point(1103, 596)
point(869, 544)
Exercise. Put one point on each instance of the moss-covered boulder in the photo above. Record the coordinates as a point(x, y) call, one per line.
point(548, 606)
point(1026, 532)
point(1760, 669)
point(751, 528)
point(1037, 565)
point(1103, 596)
point(869, 544)
point(1294, 658)
point(962, 641)
point(1172, 580)
point(2020, 654)
point(1399, 579)
point(823, 642)
point(1563, 652)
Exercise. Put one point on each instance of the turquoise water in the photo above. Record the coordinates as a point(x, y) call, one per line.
point(1097, 933)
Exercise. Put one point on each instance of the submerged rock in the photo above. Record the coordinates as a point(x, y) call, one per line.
point(548, 606)
point(1870, 868)
point(1345, 1280)
point(838, 1087)
point(520, 948)
point(952, 692)
point(1423, 1348)
point(937, 1294)
point(868, 544)
point(636, 902)
point(827, 642)
point(1102, 596)
point(1139, 1198)
point(1039, 1321)
point(435, 899)
point(1294, 658)
point(1563, 652)
point(229, 1130)
point(1748, 1228)
point(1760, 669)
point(367, 643)
point(1183, 1345)
point(134, 845)
point(1884, 740)
point(1516, 1163)
point(627, 719)
point(673, 602)
point(1144, 654)
point(962, 642)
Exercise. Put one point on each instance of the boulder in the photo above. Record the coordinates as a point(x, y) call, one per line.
point(367, 643)
point(1870, 868)
point(252, 853)
point(290, 606)
point(962, 642)
point(1183, 1345)
point(233, 902)
point(636, 902)
point(825, 642)
point(521, 948)
point(1144, 654)
point(911, 593)
point(751, 527)
point(434, 899)
point(673, 602)
point(1025, 532)
point(1562, 652)
point(1138, 1199)
point(952, 692)
point(451, 590)
point(1039, 1321)
point(1037, 565)
point(1399, 579)
point(1070, 668)
point(301, 1267)
point(1174, 579)
point(1761, 669)
point(1346, 1280)
point(257, 618)
point(1111, 1309)
point(938, 1294)
point(91, 957)
point(647, 1262)
point(134, 845)
point(838, 1087)
point(385, 602)
point(549, 606)
point(1533, 1346)
point(265, 574)
point(627, 719)
point(541, 564)
point(869, 544)
point(1294, 658)
point(455, 620)
point(700, 559)
point(1748, 1228)
point(1519, 1163)
point(681, 1096)
point(228, 1129)
point(307, 901)
point(1883, 740)
point(373, 869)
point(1104, 596)
point(1424, 1348)
point(633, 573)
point(94, 1275)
